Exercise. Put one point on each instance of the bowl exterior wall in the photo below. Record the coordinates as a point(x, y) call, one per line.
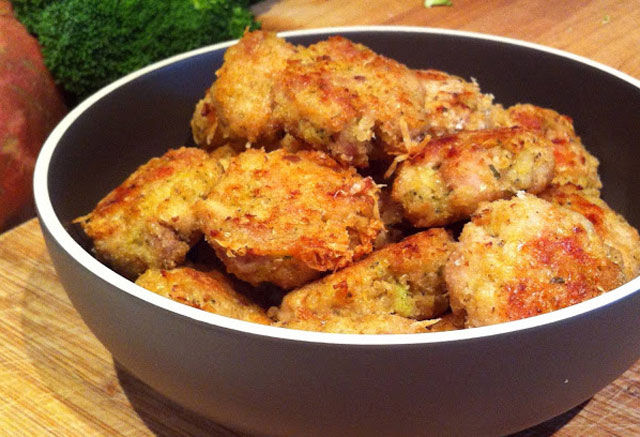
point(484, 386)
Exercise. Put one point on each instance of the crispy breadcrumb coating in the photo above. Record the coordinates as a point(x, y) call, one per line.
point(453, 104)
point(525, 256)
point(343, 98)
point(148, 222)
point(284, 218)
point(335, 96)
point(574, 164)
point(611, 226)
point(209, 291)
point(402, 280)
point(363, 324)
point(238, 107)
point(449, 178)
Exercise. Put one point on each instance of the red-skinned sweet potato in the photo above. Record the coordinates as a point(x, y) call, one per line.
point(30, 106)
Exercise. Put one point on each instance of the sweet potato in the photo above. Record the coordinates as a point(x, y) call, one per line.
point(30, 106)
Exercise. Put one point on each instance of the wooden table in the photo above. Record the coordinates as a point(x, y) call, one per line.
point(57, 379)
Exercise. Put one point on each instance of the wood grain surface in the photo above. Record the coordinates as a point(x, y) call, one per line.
point(57, 379)
point(606, 31)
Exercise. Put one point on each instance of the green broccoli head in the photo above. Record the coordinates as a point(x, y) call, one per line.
point(28, 11)
point(89, 43)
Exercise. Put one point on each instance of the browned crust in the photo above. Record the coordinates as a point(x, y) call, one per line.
point(402, 280)
point(147, 221)
point(574, 164)
point(336, 96)
point(446, 181)
point(274, 213)
point(609, 225)
point(206, 290)
point(525, 256)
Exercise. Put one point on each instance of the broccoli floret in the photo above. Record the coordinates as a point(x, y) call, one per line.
point(28, 11)
point(89, 43)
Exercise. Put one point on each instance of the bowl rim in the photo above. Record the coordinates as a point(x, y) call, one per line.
point(49, 219)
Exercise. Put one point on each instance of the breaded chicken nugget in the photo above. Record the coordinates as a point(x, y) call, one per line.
point(402, 280)
point(343, 98)
point(284, 218)
point(611, 226)
point(525, 256)
point(238, 106)
point(574, 164)
point(209, 291)
point(449, 178)
point(148, 222)
point(335, 96)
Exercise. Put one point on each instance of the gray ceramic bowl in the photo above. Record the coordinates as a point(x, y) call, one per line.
point(266, 380)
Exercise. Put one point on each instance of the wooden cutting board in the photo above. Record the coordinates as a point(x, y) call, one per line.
point(57, 379)
point(607, 31)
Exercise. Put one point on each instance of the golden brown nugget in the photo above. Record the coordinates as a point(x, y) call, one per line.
point(449, 178)
point(525, 256)
point(574, 164)
point(403, 280)
point(284, 218)
point(148, 222)
point(238, 106)
point(209, 291)
point(343, 98)
point(611, 226)
point(335, 96)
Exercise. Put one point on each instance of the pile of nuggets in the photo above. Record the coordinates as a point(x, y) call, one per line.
point(372, 197)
